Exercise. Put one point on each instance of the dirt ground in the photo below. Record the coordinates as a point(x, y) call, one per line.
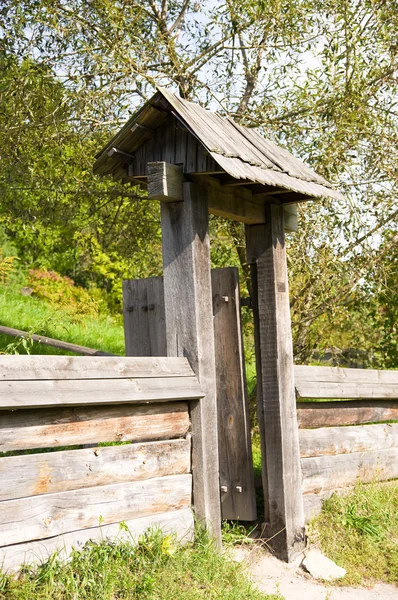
point(271, 575)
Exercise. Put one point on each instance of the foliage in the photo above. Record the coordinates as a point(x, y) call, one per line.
point(102, 332)
point(318, 77)
point(61, 290)
point(155, 567)
point(7, 266)
point(359, 531)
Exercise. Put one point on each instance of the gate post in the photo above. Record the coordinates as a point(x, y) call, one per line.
point(189, 333)
point(276, 399)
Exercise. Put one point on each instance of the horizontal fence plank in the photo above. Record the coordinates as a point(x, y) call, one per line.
point(313, 502)
point(331, 414)
point(341, 375)
point(344, 440)
point(36, 394)
point(84, 367)
point(327, 389)
point(334, 382)
point(179, 522)
point(51, 472)
point(39, 517)
point(329, 472)
point(53, 427)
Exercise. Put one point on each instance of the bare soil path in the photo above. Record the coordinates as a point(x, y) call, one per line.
point(271, 575)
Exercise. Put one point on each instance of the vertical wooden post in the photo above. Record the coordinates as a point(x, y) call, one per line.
point(277, 403)
point(189, 332)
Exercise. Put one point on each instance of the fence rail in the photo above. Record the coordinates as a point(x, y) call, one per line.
point(68, 495)
point(349, 438)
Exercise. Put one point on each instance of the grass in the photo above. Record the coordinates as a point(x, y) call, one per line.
point(156, 568)
point(359, 531)
point(30, 314)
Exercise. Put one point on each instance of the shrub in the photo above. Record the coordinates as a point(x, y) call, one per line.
point(61, 290)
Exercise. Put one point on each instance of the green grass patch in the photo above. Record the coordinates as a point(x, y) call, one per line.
point(155, 568)
point(359, 531)
point(101, 332)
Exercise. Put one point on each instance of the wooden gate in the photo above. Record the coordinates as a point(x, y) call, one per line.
point(145, 335)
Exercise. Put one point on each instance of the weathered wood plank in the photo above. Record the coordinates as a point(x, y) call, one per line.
point(62, 392)
point(341, 375)
point(39, 517)
point(266, 249)
point(144, 318)
point(344, 440)
point(329, 472)
point(51, 472)
point(290, 217)
point(165, 182)
point(81, 367)
point(189, 332)
point(234, 436)
point(53, 427)
point(179, 522)
point(343, 390)
point(330, 414)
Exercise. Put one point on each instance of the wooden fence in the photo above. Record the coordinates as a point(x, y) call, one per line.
point(348, 438)
point(60, 497)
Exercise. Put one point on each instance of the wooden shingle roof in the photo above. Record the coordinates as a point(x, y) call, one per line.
point(242, 153)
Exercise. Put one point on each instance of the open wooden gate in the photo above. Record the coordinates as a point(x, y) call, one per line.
point(145, 335)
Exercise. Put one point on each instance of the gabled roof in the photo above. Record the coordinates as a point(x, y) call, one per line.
point(241, 152)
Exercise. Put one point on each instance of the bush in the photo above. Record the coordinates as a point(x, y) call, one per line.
point(61, 290)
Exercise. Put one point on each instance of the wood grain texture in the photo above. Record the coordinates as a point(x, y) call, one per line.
point(330, 414)
point(333, 382)
point(39, 517)
point(80, 367)
point(51, 472)
point(344, 440)
point(179, 522)
point(144, 317)
point(346, 390)
point(266, 247)
point(341, 375)
point(49, 428)
point(329, 472)
point(234, 431)
point(42, 393)
point(165, 182)
point(189, 331)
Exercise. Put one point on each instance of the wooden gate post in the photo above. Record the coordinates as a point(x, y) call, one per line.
point(276, 396)
point(189, 333)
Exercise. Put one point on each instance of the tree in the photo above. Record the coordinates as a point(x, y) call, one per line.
point(319, 77)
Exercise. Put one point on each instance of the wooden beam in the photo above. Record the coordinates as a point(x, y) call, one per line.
point(329, 472)
point(344, 440)
point(42, 339)
point(189, 332)
point(55, 427)
point(266, 252)
point(78, 367)
point(165, 182)
point(67, 470)
point(356, 412)
point(40, 517)
point(46, 393)
point(290, 217)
